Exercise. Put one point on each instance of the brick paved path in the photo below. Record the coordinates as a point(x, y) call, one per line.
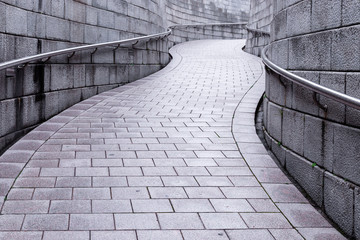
point(159, 159)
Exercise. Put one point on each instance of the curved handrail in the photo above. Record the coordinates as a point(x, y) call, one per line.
point(26, 60)
point(73, 50)
point(337, 96)
point(256, 30)
point(205, 25)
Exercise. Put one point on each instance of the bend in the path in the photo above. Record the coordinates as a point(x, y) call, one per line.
point(160, 159)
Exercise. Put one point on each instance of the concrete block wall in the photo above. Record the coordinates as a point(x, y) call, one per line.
point(317, 40)
point(40, 90)
point(261, 15)
point(206, 11)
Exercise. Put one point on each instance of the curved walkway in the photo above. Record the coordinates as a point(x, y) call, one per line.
point(159, 159)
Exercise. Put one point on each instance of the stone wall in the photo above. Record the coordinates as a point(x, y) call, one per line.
point(261, 15)
point(206, 11)
point(32, 94)
point(318, 40)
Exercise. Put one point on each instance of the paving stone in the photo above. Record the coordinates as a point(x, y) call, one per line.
point(159, 234)
point(125, 171)
point(191, 171)
point(222, 221)
point(57, 172)
point(109, 181)
point(321, 233)
point(91, 171)
point(284, 193)
point(283, 234)
point(52, 193)
point(144, 181)
point(35, 182)
point(91, 193)
point(70, 206)
point(270, 175)
point(151, 205)
point(229, 171)
point(46, 222)
point(25, 206)
point(244, 192)
point(214, 181)
point(250, 234)
point(204, 234)
point(179, 181)
point(21, 235)
point(263, 205)
point(167, 192)
point(244, 181)
point(63, 235)
point(111, 206)
point(192, 205)
point(231, 205)
point(73, 182)
point(136, 221)
point(20, 194)
point(113, 235)
point(180, 221)
point(130, 193)
point(204, 192)
point(91, 222)
point(11, 222)
point(265, 220)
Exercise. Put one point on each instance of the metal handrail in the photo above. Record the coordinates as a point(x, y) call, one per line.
point(205, 25)
point(256, 30)
point(26, 60)
point(48, 55)
point(337, 96)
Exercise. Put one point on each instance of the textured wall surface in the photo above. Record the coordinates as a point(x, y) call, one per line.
point(206, 11)
point(261, 15)
point(318, 40)
point(33, 94)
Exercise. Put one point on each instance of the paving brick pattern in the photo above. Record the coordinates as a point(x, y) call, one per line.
point(172, 156)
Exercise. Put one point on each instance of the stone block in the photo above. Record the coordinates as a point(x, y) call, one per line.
point(357, 213)
point(325, 14)
point(336, 110)
point(77, 32)
point(350, 13)
point(16, 20)
point(9, 118)
point(275, 121)
point(279, 151)
point(67, 98)
point(347, 153)
point(353, 89)
point(101, 75)
point(75, 11)
point(339, 202)
point(79, 75)
point(58, 8)
point(293, 130)
point(299, 18)
point(51, 104)
point(91, 15)
point(32, 110)
point(310, 52)
point(310, 178)
point(302, 98)
point(57, 28)
point(62, 77)
point(276, 89)
point(280, 25)
point(106, 18)
point(88, 92)
point(318, 141)
point(345, 49)
point(104, 55)
point(25, 47)
point(118, 6)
